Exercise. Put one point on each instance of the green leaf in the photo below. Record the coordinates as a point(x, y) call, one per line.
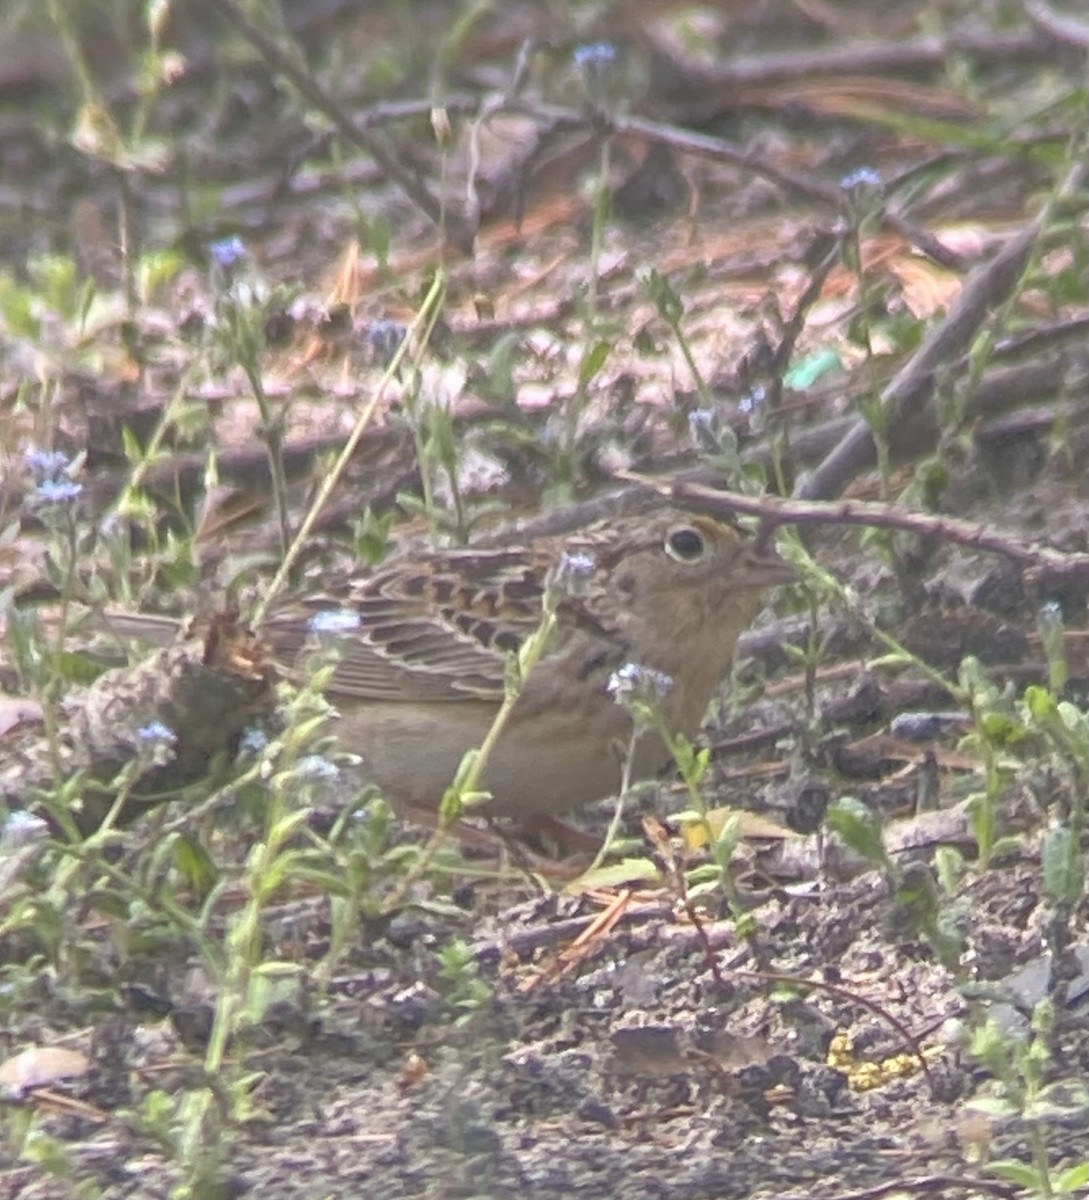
point(1064, 868)
point(859, 826)
point(107, 902)
point(277, 873)
point(195, 863)
point(379, 237)
point(278, 969)
point(74, 667)
point(1074, 1179)
point(628, 870)
point(949, 866)
point(56, 275)
point(132, 449)
point(593, 362)
point(441, 442)
point(87, 298)
point(371, 536)
point(323, 880)
point(497, 381)
point(1023, 1174)
point(700, 887)
point(1001, 728)
point(18, 310)
point(284, 829)
point(1007, 845)
point(669, 305)
point(1040, 703)
point(157, 268)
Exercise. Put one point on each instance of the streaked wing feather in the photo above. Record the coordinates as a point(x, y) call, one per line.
point(432, 667)
point(430, 636)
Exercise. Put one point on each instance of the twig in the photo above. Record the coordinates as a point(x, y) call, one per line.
point(827, 251)
point(459, 231)
point(912, 386)
point(866, 57)
point(1060, 26)
point(775, 511)
point(844, 993)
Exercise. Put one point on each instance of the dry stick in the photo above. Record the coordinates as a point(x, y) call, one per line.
point(1001, 389)
point(867, 57)
point(987, 288)
point(818, 985)
point(809, 187)
point(775, 511)
point(715, 149)
point(1055, 333)
point(826, 252)
point(459, 230)
point(1060, 26)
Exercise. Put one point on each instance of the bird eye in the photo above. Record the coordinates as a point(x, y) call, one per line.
point(685, 545)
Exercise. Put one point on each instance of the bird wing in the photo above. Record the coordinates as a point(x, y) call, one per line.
point(439, 630)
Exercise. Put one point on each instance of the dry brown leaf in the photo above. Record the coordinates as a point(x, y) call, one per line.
point(40, 1066)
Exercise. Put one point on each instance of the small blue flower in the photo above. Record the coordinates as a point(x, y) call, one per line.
point(633, 682)
point(156, 743)
point(571, 575)
point(313, 766)
point(156, 731)
point(228, 252)
point(20, 829)
point(577, 563)
point(334, 621)
point(45, 464)
point(385, 338)
point(596, 62)
point(253, 741)
point(863, 196)
point(753, 399)
point(863, 177)
point(594, 55)
point(57, 491)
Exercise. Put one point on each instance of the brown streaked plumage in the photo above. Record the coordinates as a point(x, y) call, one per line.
point(420, 679)
point(422, 649)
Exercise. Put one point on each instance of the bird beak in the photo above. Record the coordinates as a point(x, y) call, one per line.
point(763, 566)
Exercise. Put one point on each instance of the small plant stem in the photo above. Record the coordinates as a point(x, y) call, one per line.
point(530, 656)
point(618, 811)
point(242, 953)
point(706, 399)
point(151, 451)
point(597, 229)
point(427, 313)
point(272, 432)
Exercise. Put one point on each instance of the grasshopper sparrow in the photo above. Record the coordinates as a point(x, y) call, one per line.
point(423, 647)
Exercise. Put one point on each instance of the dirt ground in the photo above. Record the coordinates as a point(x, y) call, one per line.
point(499, 1034)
